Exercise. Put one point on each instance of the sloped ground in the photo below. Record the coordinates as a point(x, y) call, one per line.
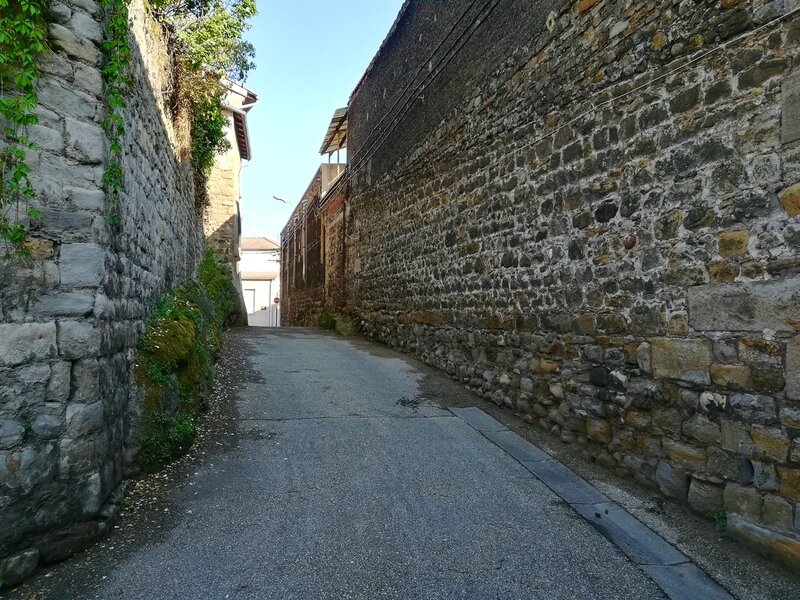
point(333, 469)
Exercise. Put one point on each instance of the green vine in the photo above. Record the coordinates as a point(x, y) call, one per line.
point(118, 56)
point(23, 39)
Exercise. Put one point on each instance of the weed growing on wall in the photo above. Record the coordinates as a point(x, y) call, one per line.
point(341, 324)
point(23, 39)
point(175, 360)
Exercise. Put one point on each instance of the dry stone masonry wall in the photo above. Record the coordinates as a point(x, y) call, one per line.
point(601, 230)
point(70, 321)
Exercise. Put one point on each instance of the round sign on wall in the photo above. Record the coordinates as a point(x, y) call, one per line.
point(277, 300)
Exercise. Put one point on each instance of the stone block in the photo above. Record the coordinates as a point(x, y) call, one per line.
point(46, 138)
point(83, 419)
point(684, 455)
point(743, 501)
point(757, 350)
point(776, 513)
point(23, 342)
point(733, 243)
point(59, 384)
point(669, 419)
point(11, 433)
point(723, 272)
point(783, 547)
point(797, 517)
point(793, 369)
point(767, 379)
point(765, 476)
point(598, 430)
point(78, 339)
point(705, 498)
point(69, 540)
point(790, 417)
point(722, 464)
point(736, 377)
point(745, 306)
point(86, 199)
point(673, 483)
point(735, 437)
point(77, 456)
point(91, 495)
point(790, 108)
point(754, 408)
point(92, 7)
point(89, 79)
point(86, 141)
point(87, 28)
point(643, 358)
point(19, 566)
point(86, 381)
point(65, 304)
point(790, 200)
point(684, 359)
point(702, 429)
point(770, 442)
point(65, 40)
point(81, 264)
point(790, 482)
point(59, 13)
point(47, 426)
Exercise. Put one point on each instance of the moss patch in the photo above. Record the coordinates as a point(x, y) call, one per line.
point(175, 361)
point(341, 324)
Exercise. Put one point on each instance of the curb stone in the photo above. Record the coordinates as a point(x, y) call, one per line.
point(675, 573)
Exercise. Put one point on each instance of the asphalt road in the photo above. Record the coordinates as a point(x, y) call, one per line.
point(346, 479)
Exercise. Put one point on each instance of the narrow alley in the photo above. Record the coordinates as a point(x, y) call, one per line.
point(345, 476)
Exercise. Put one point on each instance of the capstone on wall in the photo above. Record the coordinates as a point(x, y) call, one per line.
point(71, 317)
point(589, 213)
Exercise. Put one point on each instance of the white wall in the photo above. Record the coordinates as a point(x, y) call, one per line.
point(260, 261)
point(264, 294)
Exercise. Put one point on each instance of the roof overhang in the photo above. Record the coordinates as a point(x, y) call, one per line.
point(336, 136)
point(239, 109)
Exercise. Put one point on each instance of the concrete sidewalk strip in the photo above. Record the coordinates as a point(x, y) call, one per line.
point(673, 571)
point(685, 582)
point(636, 540)
point(477, 419)
point(517, 446)
point(565, 483)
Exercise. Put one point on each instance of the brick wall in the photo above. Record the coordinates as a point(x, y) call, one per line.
point(587, 219)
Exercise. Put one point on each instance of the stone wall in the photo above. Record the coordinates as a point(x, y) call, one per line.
point(71, 319)
point(302, 276)
point(313, 251)
point(590, 215)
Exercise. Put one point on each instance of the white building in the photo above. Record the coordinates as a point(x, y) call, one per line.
point(259, 270)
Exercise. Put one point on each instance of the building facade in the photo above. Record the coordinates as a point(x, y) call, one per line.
point(259, 271)
point(222, 217)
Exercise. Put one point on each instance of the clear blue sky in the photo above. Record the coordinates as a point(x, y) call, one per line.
point(309, 56)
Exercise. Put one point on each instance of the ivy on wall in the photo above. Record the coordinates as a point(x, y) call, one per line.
point(117, 50)
point(211, 32)
point(23, 39)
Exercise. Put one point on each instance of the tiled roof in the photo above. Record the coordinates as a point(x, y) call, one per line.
point(258, 243)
